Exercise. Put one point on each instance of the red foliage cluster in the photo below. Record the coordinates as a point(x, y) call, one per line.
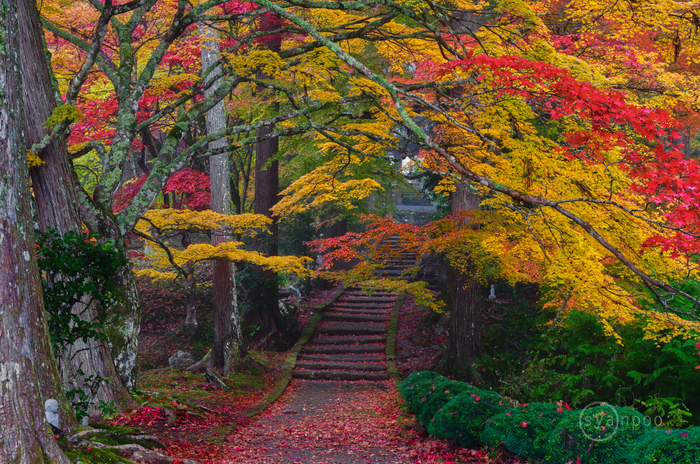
point(354, 245)
point(193, 187)
point(662, 174)
point(127, 193)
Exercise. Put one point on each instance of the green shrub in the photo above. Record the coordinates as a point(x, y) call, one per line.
point(435, 399)
point(415, 377)
point(680, 446)
point(76, 268)
point(463, 418)
point(578, 362)
point(416, 395)
point(525, 430)
point(596, 435)
point(416, 384)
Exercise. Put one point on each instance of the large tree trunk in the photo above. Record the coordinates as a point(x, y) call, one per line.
point(122, 320)
point(57, 207)
point(464, 340)
point(264, 311)
point(227, 350)
point(25, 351)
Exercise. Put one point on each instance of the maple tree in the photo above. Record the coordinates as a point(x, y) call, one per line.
point(145, 105)
point(493, 98)
point(573, 177)
point(566, 140)
point(158, 226)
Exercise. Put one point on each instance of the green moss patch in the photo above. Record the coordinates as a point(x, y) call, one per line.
point(95, 456)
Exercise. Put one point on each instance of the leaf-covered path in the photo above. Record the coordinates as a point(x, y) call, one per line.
point(332, 422)
point(357, 422)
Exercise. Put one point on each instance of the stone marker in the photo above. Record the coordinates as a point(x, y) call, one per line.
point(180, 360)
point(51, 412)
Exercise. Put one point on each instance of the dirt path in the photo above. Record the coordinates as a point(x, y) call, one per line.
point(327, 422)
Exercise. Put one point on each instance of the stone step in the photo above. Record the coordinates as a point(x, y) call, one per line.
point(396, 267)
point(359, 300)
point(340, 330)
point(352, 326)
point(342, 349)
point(358, 291)
point(345, 317)
point(379, 275)
point(343, 357)
point(341, 366)
point(348, 339)
point(388, 305)
point(339, 375)
point(395, 272)
point(375, 312)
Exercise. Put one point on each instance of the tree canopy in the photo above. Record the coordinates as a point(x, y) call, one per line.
point(572, 122)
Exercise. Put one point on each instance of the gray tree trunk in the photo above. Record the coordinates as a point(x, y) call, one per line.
point(54, 189)
point(191, 323)
point(25, 351)
point(123, 319)
point(227, 350)
point(464, 339)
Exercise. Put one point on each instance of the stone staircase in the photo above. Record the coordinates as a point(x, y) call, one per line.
point(350, 340)
point(399, 260)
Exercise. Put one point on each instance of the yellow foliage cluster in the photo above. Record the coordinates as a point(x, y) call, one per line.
point(323, 186)
point(229, 251)
point(33, 160)
point(167, 220)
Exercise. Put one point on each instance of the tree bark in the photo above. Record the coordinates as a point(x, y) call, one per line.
point(265, 311)
point(265, 308)
point(191, 323)
point(25, 350)
point(227, 350)
point(123, 319)
point(54, 189)
point(464, 339)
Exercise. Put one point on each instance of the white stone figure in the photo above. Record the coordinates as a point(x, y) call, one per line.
point(492, 296)
point(51, 412)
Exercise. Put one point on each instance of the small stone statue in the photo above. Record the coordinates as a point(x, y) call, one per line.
point(492, 296)
point(51, 412)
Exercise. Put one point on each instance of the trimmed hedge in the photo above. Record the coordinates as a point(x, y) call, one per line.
point(543, 432)
point(525, 430)
point(597, 435)
point(680, 446)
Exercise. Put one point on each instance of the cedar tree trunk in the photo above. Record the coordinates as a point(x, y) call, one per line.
point(265, 313)
point(57, 208)
point(122, 320)
point(464, 341)
point(25, 351)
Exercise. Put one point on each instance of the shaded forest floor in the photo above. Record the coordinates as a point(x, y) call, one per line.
point(313, 421)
